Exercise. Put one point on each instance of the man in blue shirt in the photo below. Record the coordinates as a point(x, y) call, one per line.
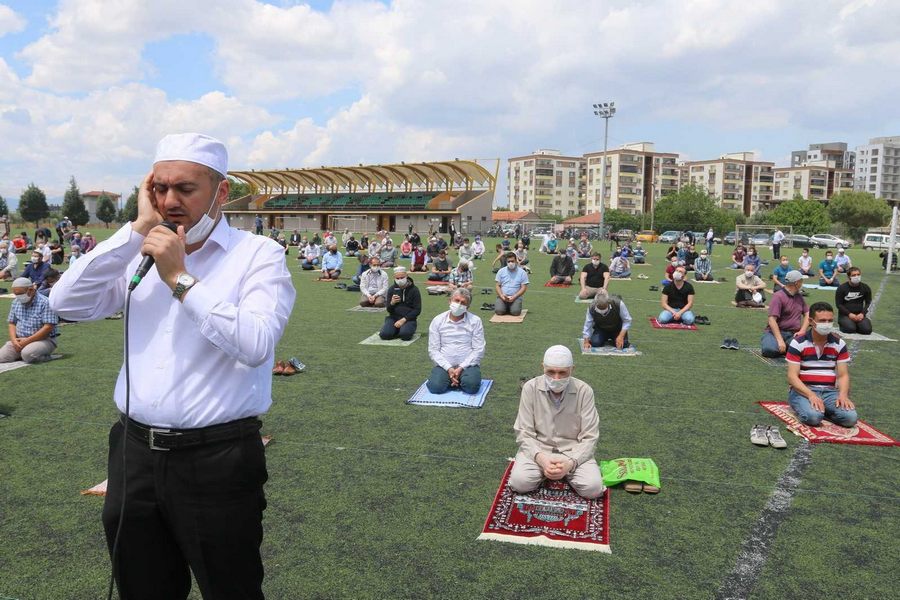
point(37, 269)
point(512, 283)
point(32, 326)
point(828, 270)
point(779, 273)
point(332, 261)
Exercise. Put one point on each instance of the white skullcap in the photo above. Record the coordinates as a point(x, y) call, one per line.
point(558, 356)
point(21, 282)
point(195, 148)
point(400, 269)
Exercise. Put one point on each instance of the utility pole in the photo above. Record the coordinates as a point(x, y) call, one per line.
point(604, 110)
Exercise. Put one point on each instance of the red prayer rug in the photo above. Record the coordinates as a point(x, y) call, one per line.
point(553, 515)
point(657, 325)
point(563, 285)
point(862, 433)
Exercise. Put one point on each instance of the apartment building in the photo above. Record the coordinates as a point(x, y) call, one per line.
point(546, 182)
point(834, 153)
point(738, 180)
point(819, 180)
point(878, 168)
point(636, 176)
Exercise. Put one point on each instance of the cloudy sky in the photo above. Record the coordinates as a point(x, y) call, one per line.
point(87, 87)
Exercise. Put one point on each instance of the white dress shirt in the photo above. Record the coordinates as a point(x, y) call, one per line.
point(456, 343)
point(203, 361)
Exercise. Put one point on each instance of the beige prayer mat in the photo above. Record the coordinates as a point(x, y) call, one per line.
point(509, 318)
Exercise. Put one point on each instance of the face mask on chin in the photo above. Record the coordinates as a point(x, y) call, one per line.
point(202, 228)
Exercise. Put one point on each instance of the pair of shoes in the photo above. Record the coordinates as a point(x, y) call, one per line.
point(486, 291)
point(487, 306)
point(298, 366)
point(761, 435)
point(291, 367)
point(642, 276)
point(723, 279)
point(636, 487)
point(654, 288)
point(730, 344)
point(341, 286)
point(701, 320)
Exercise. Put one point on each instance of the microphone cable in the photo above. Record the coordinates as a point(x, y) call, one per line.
point(115, 549)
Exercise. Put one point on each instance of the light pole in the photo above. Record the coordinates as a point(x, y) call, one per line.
point(604, 110)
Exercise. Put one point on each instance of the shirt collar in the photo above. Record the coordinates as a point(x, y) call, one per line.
point(221, 234)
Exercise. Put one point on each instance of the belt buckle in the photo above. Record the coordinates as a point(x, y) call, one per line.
point(154, 431)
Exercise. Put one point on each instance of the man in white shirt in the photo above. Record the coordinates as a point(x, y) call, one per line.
point(8, 262)
point(777, 240)
point(312, 256)
point(373, 285)
point(202, 335)
point(456, 346)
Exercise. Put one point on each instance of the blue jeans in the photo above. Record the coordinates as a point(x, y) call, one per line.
point(826, 284)
point(687, 318)
point(623, 274)
point(389, 331)
point(309, 265)
point(469, 381)
point(709, 245)
point(809, 416)
point(601, 338)
point(769, 345)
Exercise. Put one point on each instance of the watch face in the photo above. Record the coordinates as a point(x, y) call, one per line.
point(185, 279)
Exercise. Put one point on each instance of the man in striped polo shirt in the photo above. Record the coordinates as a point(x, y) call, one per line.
point(818, 373)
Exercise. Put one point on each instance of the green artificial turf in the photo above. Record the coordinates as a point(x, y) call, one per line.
point(372, 498)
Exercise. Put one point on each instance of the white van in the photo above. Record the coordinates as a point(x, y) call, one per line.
point(879, 241)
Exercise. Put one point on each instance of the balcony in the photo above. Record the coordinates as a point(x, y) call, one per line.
point(628, 169)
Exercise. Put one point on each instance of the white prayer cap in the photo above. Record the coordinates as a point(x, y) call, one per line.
point(195, 148)
point(21, 282)
point(400, 269)
point(558, 356)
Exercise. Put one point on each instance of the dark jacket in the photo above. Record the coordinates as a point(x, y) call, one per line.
point(410, 304)
point(563, 266)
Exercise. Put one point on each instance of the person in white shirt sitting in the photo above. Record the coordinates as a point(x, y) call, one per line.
point(805, 263)
point(373, 285)
point(619, 268)
point(456, 346)
point(312, 256)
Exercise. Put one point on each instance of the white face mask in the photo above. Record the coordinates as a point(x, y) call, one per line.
point(596, 263)
point(855, 279)
point(375, 269)
point(23, 298)
point(401, 282)
point(557, 385)
point(511, 266)
point(677, 275)
point(457, 309)
point(35, 260)
point(202, 228)
point(748, 274)
point(824, 328)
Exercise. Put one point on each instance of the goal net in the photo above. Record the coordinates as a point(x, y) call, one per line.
point(355, 223)
point(761, 235)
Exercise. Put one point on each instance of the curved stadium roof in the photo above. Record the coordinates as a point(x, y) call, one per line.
point(451, 174)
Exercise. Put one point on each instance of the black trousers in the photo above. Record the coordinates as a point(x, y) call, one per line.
point(198, 509)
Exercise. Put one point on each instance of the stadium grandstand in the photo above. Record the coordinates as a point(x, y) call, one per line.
point(426, 196)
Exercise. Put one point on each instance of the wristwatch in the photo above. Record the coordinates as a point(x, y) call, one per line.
point(183, 283)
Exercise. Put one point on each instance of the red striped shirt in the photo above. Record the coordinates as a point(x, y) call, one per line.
point(816, 368)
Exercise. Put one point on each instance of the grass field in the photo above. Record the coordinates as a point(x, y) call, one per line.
point(371, 498)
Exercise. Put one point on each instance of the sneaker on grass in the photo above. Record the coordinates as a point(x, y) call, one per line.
point(759, 435)
point(775, 439)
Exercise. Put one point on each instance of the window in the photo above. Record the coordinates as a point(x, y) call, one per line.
point(469, 217)
point(559, 192)
point(875, 152)
point(485, 218)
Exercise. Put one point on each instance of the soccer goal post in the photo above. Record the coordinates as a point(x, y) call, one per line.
point(753, 234)
point(355, 223)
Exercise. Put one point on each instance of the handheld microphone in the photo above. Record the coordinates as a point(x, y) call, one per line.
point(148, 261)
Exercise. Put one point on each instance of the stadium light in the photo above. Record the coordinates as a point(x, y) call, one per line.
point(604, 110)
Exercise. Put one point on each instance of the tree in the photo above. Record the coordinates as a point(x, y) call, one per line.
point(858, 211)
point(690, 207)
point(807, 217)
point(237, 189)
point(4, 210)
point(106, 210)
point(130, 212)
point(73, 205)
point(617, 219)
point(33, 204)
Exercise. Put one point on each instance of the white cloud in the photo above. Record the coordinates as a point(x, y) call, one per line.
point(10, 21)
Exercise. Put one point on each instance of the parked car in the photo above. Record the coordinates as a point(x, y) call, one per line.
point(826, 240)
point(879, 241)
point(624, 235)
point(795, 240)
point(669, 237)
point(760, 239)
point(647, 235)
point(731, 236)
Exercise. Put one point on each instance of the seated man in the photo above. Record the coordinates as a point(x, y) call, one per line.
point(406, 247)
point(511, 284)
point(466, 252)
point(752, 259)
point(842, 261)
point(640, 255)
point(703, 267)
point(557, 430)
point(51, 278)
point(332, 262)
point(461, 276)
point(677, 300)
point(363, 267)
point(828, 270)
point(594, 276)
point(32, 325)
point(853, 299)
point(375, 247)
point(619, 267)
point(506, 243)
point(478, 248)
point(552, 243)
point(670, 270)
point(404, 306)
point(585, 249)
point(750, 288)
point(737, 257)
point(817, 372)
point(373, 285)
point(522, 255)
point(456, 347)
point(388, 254)
point(788, 317)
point(780, 272)
point(440, 268)
point(75, 255)
point(352, 246)
point(562, 269)
point(419, 258)
point(626, 250)
point(36, 270)
point(433, 248)
point(804, 261)
point(690, 257)
point(572, 251)
point(8, 262)
point(607, 322)
point(295, 238)
point(312, 256)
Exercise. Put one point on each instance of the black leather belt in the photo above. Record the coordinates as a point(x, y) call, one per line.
point(162, 438)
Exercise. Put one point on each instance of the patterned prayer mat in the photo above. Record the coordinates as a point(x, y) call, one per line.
point(872, 337)
point(562, 285)
point(18, 364)
point(509, 318)
point(620, 278)
point(324, 280)
point(370, 309)
point(100, 488)
point(772, 362)
point(609, 350)
point(374, 340)
point(657, 325)
point(553, 515)
point(452, 398)
point(862, 433)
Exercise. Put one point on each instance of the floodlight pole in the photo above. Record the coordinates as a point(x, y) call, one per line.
point(604, 110)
